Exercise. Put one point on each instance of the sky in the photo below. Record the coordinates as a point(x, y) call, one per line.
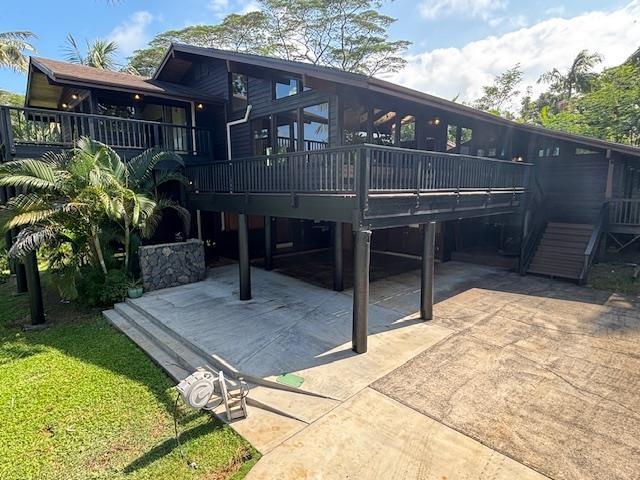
point(458, 45)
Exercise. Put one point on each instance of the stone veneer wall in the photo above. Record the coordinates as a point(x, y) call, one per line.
point(172, 264)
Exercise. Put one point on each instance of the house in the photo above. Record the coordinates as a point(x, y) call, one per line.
point(283, 153)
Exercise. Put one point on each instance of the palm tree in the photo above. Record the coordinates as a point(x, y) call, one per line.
point(578, 77)
point(99, 54)
point(13, 46)
point(77, 196)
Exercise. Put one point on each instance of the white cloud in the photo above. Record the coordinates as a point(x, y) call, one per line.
point(252, 6)
point(554, 42)
point(218, 5)
point(132, 34)
point(555, 11)
point(484, 9)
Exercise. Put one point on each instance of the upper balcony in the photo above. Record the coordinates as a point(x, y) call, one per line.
point(370, 186)
point(30, 132)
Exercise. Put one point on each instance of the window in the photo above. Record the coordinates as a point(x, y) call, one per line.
point(408, 131)
point(286, 88)
point(287, 131)
point(452, 138)
point(239, 92)
point(316, 126)
point(262, 136)
point(354, 124)
point(466, 134)
point(384, 127)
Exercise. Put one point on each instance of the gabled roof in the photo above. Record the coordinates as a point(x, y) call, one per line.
point(383, 87)
point(84, 76)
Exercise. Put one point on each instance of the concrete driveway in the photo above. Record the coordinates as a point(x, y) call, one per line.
point(530, 378)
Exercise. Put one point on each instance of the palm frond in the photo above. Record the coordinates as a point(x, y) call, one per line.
point(72, 51)
point(13, 46)
point(140, 168)
point(31, 238)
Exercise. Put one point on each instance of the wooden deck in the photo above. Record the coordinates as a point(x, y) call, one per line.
point(370, 186)
point(30, 132)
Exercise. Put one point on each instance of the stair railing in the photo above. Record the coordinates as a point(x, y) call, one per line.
point(592, 247)
point(537, 223)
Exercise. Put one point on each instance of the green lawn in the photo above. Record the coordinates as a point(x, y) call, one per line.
point(79, 400)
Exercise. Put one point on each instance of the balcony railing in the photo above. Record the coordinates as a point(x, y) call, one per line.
point(624, 211)
point(49, 128)
point(360, 169)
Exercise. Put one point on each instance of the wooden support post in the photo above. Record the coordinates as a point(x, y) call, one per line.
point(243, 256)
point(35, 290)
point(18, 268)
point(428, 267)
point(361, 291)
point(268, 243)
point(338, 268)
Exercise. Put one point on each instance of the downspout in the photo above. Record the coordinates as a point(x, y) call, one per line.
point(195, 154)
point(244, 119)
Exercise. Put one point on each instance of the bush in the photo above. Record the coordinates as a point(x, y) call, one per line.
point(4, 264)
point(97, 290)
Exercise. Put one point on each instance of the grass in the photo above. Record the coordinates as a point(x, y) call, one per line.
point(79, 400)
point(614, 277)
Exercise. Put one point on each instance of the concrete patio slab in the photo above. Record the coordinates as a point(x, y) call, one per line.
point(550, 382)
point(371, 436)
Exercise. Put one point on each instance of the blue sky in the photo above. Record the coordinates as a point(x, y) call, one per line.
point(458, 44)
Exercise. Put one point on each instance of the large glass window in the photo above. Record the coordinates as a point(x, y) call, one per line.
point(316, 126)
point(466, 135)
point(239, 91)
point(354, 124)
point(408, 131)
point(286, 88)
point(384, 127)
point(262, 136)
point(287, 131)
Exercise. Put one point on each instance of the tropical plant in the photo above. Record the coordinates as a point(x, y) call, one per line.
point(84, 199)
point(577, 78)
point(99, 53)
point(498, 96)
point(13, 49)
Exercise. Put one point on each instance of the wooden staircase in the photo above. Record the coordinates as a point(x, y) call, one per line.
point(561, 250)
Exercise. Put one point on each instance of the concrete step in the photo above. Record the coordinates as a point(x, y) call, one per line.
point(165, 341)
point(176, 371)
point(278, 399)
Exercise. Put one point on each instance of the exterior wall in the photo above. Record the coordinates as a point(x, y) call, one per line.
point(171, 264)
point(573, 185)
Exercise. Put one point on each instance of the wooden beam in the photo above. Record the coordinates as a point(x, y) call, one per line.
point(361, 291)
point(243, 257)
point(428, 269)
point(608, 193)
point(338, 267)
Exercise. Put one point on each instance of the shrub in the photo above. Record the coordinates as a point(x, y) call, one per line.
point(96, 289)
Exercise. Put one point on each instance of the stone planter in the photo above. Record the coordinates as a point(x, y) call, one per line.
point(171, 264)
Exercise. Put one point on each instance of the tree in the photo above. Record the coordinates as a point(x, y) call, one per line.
point(99, 53)
point(236, 32)
point(578, 77)
point(10, 98)
point(77, 199)
point(13, 50)
point(347, 34)
point(498, 96)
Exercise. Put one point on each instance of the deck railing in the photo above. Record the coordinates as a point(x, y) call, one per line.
point(624, 211)
point(362, 169)
point(50, 128)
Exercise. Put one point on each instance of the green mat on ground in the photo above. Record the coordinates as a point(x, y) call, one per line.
point(290, 379)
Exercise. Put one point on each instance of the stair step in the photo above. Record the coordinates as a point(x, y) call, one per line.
point(172, 346)
point(571, 245)
point(550, 249)
point(570, 226)
point(568, 236)
point(276, 398)
point(556, 271)
point(558, 254)
point(158, 355)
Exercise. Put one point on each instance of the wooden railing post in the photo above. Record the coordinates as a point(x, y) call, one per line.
point(363, 177)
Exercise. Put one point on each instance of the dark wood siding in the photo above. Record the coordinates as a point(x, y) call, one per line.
point(574, 186)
